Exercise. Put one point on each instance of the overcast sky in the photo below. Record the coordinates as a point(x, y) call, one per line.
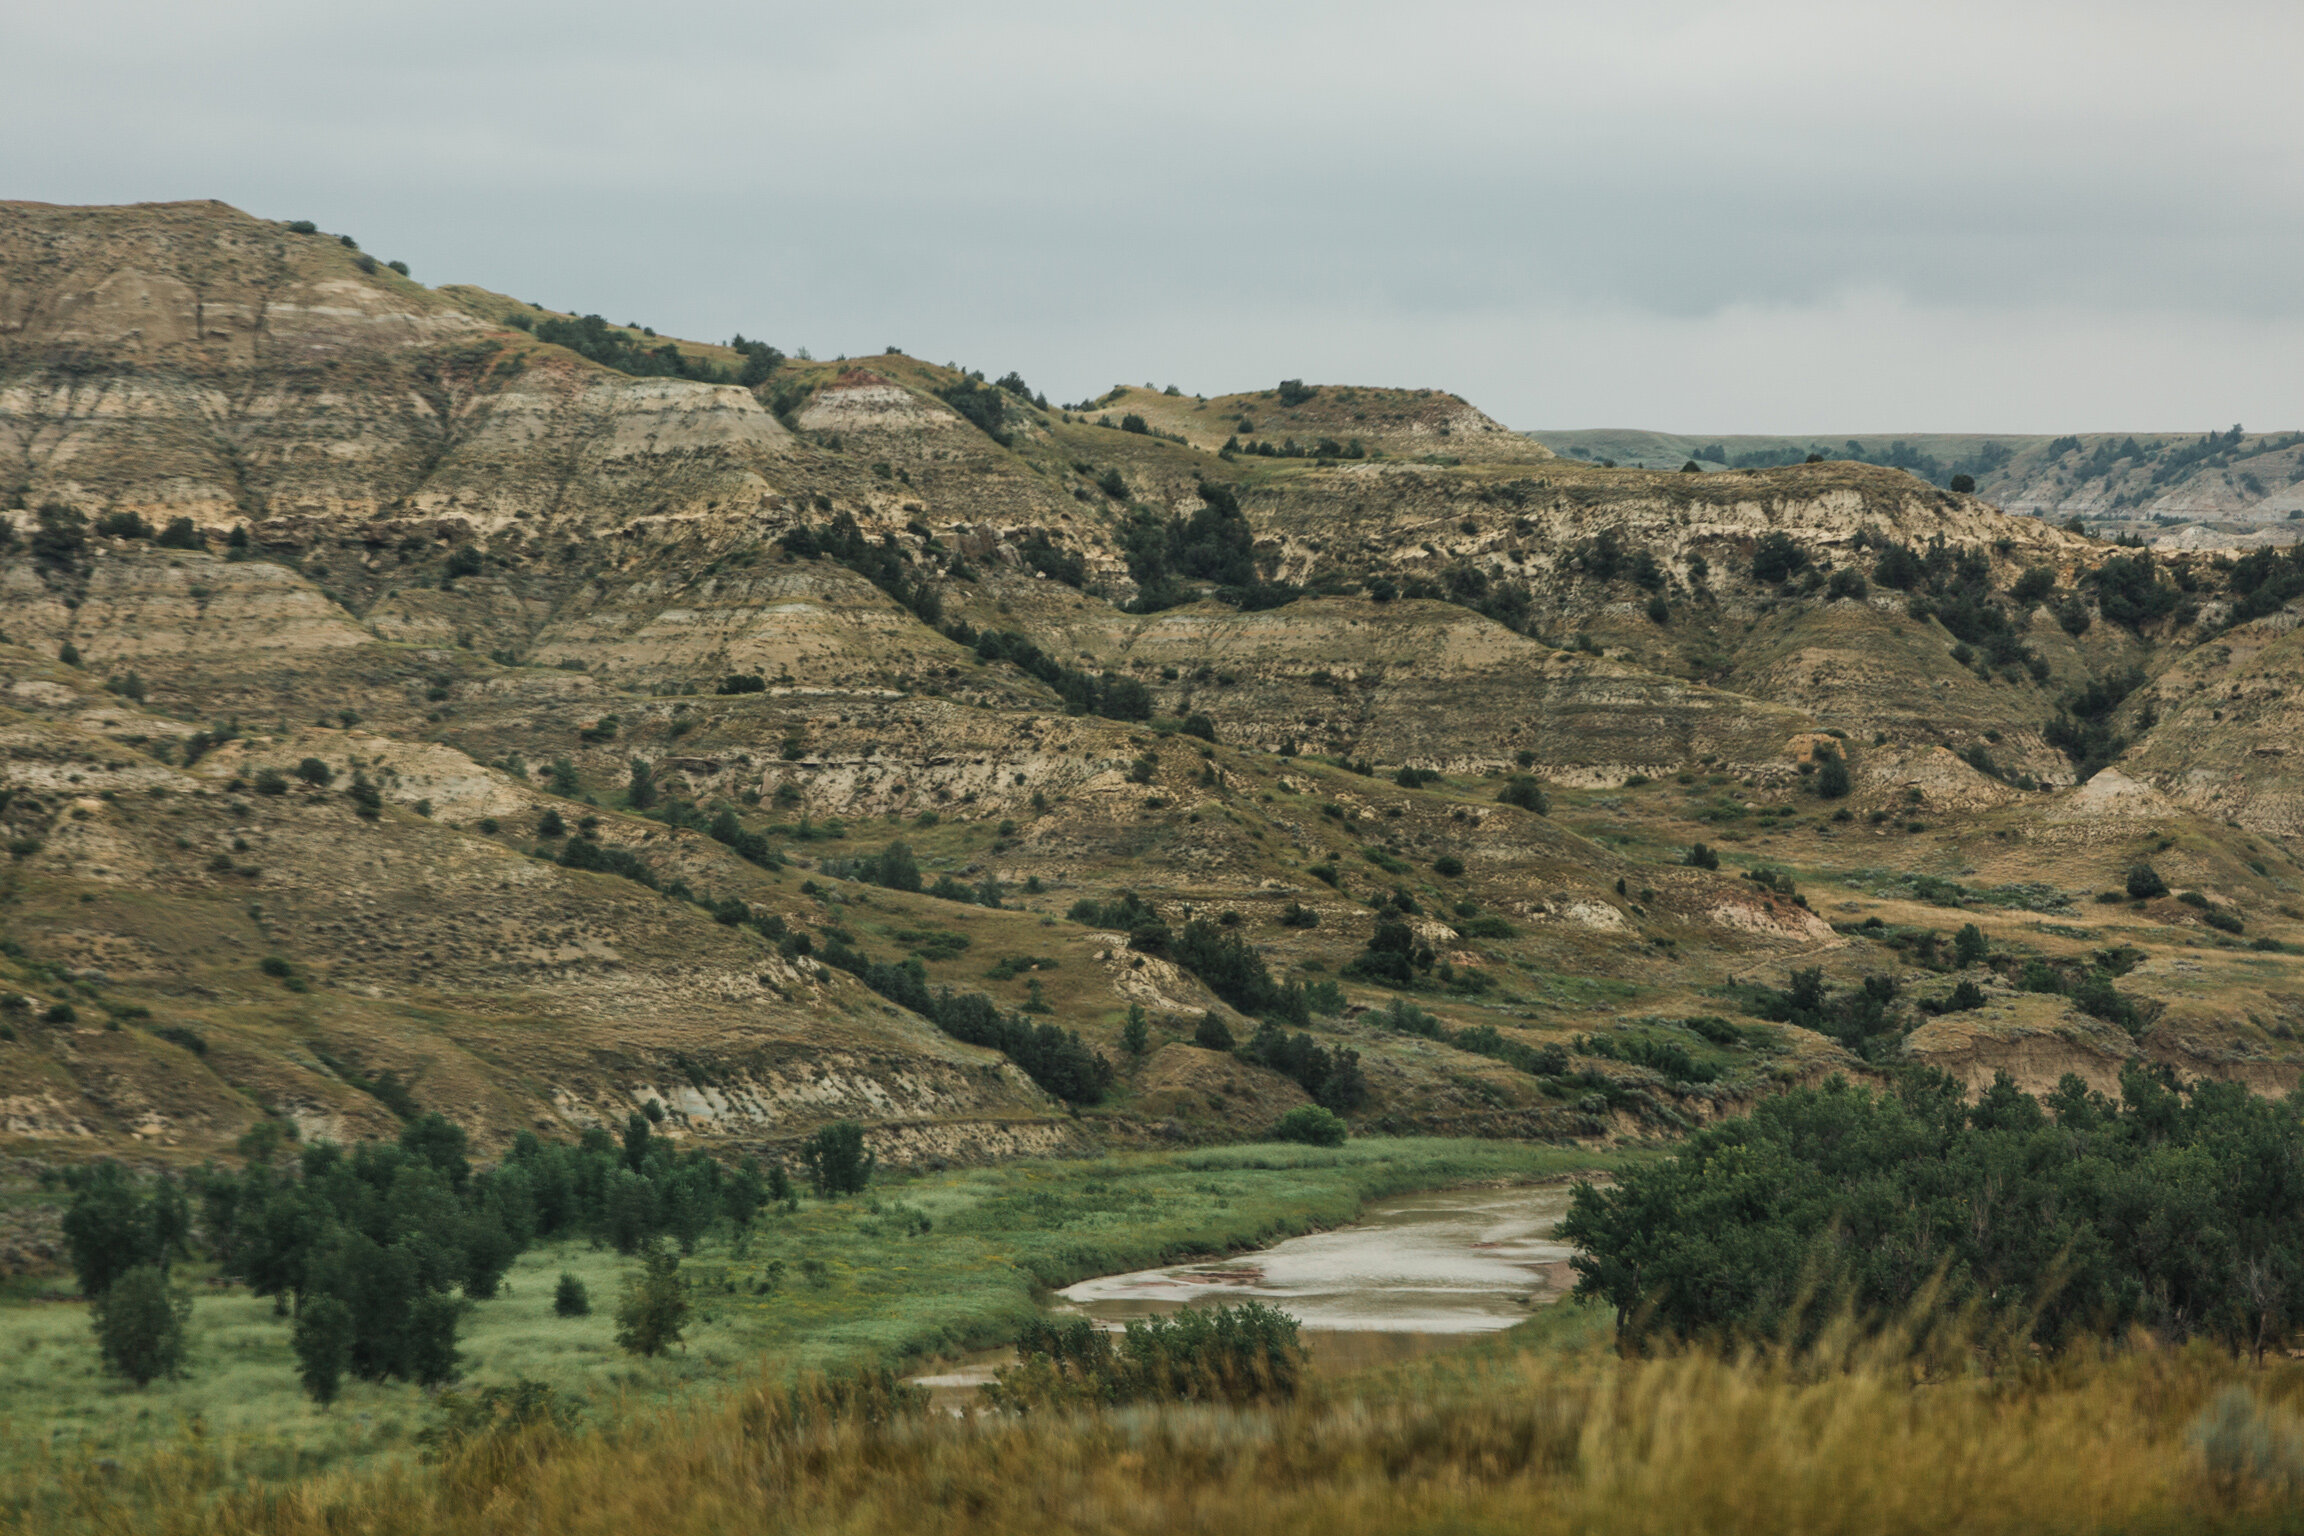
point(1760, 217)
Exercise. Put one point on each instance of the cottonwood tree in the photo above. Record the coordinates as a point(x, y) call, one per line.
point(836, 1161)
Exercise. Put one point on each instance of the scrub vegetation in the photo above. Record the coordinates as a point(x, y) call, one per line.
point(910, 1269)
point(1921, 1430)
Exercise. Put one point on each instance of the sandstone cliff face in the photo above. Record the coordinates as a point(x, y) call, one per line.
point(2228, 738)
point(137, 609)
point(196, 286)
point(2132, 481)
point(186, 360)
point(1407, 682)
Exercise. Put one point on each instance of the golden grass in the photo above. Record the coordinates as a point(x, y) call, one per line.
point(1584, 1443)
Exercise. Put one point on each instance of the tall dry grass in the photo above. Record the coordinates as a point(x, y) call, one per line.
point(1870, 1436)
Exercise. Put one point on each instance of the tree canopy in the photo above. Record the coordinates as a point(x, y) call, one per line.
point(2179, 1207)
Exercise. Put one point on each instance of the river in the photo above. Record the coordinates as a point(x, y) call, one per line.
point(1415, 1274)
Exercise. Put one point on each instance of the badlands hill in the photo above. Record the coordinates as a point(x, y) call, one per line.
point(417, 699)
point(2223, 487)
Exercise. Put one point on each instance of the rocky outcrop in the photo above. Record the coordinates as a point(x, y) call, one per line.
point(187, 360)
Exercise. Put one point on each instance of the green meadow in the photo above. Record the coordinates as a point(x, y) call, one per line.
point(915, 1269)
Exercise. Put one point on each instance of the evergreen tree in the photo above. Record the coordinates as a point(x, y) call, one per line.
point(629, 1210)
point(429, 1356)
point(109, 1229)
point(139, 1324)
point(653, 1313)
point(570, 1298)
point(636, 1139)
point(744, 1193)
point(440, 1142)
point(323, 1345)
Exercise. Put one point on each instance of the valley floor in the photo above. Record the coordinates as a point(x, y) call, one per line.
point(923, 1267)
point(1540, 1430)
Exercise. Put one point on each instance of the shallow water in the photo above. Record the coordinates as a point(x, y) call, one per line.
point(1414, 1275)
point(1451, 1261)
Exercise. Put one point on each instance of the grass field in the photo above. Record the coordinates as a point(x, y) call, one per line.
point(1543, 1431)
point(921, 1267)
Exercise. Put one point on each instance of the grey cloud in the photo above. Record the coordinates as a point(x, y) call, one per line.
point(1560, 210)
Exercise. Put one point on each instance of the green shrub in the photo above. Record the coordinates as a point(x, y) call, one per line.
point(2034, 586)
point(570, 1298)
point(1311, 1125)
point(2247, 1449)
point(1777, 557)
point(191, 1039)
point(1525, 792)
point(1832, 778)
point(1225, 1354)
point(2038, 976)
point(1331, 1076)
point(893, 867)
point(2097, 996)
point(1965, 998)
